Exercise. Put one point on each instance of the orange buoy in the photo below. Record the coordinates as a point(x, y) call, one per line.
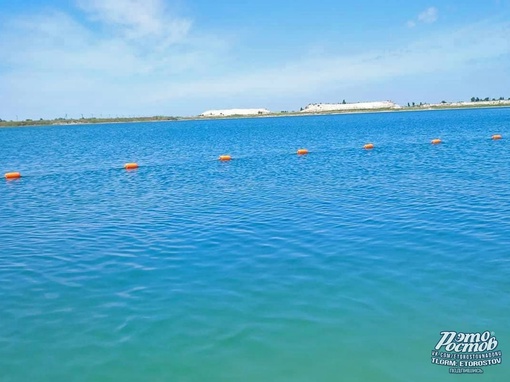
point(225, 158)
point(435, 141)
point(12, 175)
point(368, 146)
point(496, 136)
point(131, 166)
point(302, 152)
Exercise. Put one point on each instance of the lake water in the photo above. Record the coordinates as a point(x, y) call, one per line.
point(342, 265)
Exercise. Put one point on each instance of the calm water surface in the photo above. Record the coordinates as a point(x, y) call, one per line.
point(343, 265)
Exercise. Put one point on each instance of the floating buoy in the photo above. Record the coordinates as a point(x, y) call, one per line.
point(435, 141)
point(496, 136)
point(131, 166)
point(225, 158)
point(12, 175)
point(368, 146)
point(302, 152)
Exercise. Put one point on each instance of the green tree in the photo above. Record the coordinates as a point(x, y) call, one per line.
point(473, 99)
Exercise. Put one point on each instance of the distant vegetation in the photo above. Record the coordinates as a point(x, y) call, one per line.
point(486, 99)
point(75, 121)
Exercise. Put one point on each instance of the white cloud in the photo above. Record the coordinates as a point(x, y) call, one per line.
point(51, 63)
point(55, 41)
point(428, 16)
point(138, 19)
point(438, 53)
point(63, 66)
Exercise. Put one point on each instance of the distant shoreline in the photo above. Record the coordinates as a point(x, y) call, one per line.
point(96, 121)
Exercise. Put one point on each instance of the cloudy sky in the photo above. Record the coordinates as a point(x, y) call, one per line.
point(181, 57)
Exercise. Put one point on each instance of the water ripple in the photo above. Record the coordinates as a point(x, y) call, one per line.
point(270, 267)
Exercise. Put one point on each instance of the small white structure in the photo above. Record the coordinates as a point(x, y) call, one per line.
point(231, 112)
point(321, 107)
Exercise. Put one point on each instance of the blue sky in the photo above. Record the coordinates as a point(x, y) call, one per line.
point(166, 57)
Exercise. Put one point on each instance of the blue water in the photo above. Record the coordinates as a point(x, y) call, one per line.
point(342, 265)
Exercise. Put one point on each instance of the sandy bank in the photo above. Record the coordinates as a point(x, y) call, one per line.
point(468, 104)
point(322, 107)
point(231, 112)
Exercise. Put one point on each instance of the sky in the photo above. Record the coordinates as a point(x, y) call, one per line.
point(108, 58)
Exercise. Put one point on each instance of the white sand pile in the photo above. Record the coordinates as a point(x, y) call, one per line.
point(319, 107)
point(230, 112)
